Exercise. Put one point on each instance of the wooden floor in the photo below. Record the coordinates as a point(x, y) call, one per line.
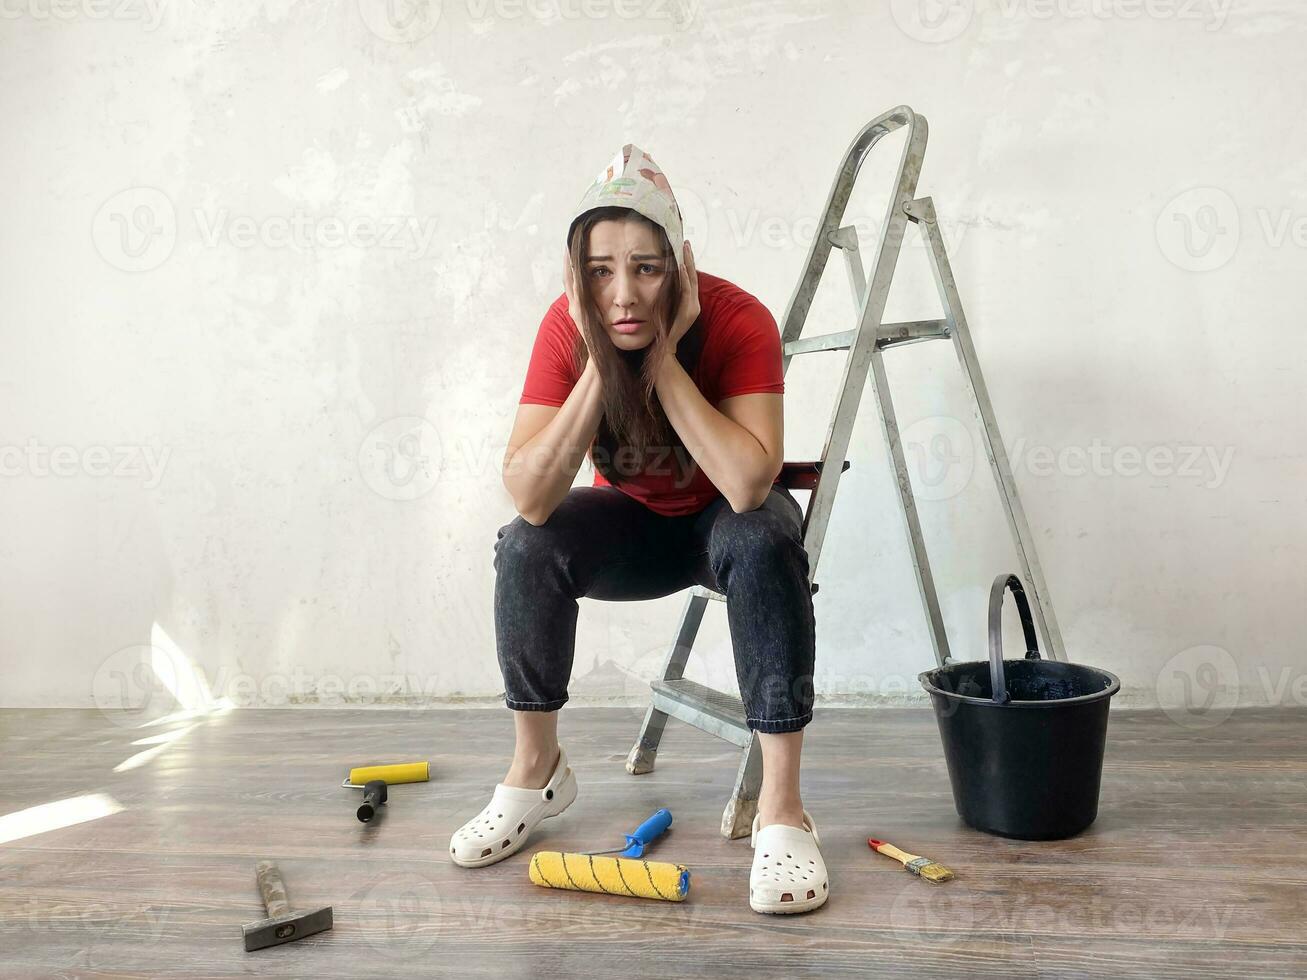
point(1197, 866)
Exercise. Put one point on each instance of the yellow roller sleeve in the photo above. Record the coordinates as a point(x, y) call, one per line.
point(611, 875)
point(405, 772)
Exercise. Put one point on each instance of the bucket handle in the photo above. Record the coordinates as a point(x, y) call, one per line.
point(997, 678)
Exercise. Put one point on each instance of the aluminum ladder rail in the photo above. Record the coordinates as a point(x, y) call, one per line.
point(722, 714)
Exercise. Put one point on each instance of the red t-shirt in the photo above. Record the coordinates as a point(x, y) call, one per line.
point(741, 354)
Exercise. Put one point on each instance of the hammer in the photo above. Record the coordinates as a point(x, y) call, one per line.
point(282, 925)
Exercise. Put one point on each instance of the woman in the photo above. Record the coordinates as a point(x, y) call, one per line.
point(672, 379)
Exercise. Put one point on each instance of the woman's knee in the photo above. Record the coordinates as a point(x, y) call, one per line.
point(521, 545)
point(757, 537)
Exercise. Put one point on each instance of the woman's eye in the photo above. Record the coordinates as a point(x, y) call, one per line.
point(643, 267)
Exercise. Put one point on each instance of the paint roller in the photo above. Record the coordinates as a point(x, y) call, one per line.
point(626, 874)
point(373, 780)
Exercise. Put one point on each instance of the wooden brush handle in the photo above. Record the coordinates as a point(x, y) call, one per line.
point(898, 855)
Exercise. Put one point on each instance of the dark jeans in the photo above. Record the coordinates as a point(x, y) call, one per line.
point(601, 544)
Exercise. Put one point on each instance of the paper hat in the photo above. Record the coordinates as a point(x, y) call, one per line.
point(632, 180)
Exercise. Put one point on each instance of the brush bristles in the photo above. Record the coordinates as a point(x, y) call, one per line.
point(935, 872)
point(929, 870)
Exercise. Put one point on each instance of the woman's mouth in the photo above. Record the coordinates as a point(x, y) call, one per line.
point(628, 326)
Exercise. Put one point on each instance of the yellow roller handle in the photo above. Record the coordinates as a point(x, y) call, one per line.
point(611, 875)
point(405, 772)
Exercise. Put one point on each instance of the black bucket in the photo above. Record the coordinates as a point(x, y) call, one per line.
point(1023, 739)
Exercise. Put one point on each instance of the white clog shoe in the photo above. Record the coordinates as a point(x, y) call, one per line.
point(788, 873)
point(508, 819)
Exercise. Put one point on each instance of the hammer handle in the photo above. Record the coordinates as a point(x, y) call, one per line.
point(272, 888)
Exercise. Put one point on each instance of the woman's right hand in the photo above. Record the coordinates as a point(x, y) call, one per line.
point(574, 309)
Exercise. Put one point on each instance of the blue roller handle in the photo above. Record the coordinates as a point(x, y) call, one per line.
point(647, 833)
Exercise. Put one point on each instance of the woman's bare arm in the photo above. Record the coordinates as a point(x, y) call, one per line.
point(539, 466)
point(741, 460)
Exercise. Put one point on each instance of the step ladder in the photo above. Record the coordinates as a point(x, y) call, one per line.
point(723, 714)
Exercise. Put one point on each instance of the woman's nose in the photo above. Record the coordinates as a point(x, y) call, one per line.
point(624, 291)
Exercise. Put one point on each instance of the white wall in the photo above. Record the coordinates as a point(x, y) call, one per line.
point(152, 164)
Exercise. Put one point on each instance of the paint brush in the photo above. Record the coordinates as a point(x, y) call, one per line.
point(920, 866)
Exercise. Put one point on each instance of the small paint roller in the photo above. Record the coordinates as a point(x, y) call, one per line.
point(373, 780)
point(626, 874)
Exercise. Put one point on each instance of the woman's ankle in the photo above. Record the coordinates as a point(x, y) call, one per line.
point(783, 810)
point(531, 769)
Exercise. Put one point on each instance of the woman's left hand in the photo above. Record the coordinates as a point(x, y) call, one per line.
point(689, 311)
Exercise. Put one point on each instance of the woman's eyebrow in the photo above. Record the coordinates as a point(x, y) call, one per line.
point(644, 257)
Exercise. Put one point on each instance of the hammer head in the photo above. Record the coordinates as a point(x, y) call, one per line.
point(286, 928)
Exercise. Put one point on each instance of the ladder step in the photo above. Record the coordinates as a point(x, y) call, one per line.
point(889, 335)
point(707, 710)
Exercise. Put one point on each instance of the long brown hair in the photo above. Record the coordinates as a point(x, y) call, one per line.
point(633, 420)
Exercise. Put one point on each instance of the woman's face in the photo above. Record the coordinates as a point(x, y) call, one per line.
point(625, 269)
